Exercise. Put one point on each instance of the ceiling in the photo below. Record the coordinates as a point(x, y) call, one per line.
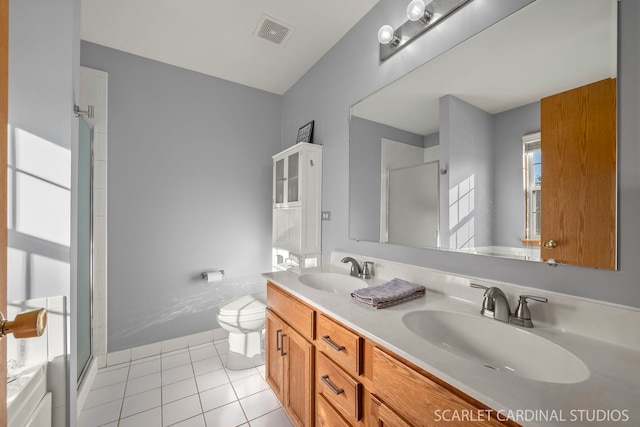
point(545, 48)
point(216, 37)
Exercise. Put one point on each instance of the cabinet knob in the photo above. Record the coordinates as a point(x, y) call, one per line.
point(550, 244)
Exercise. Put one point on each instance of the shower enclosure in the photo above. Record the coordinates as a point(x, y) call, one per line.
point(85, 247)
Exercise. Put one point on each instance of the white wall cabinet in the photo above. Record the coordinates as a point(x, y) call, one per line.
point(297, 193)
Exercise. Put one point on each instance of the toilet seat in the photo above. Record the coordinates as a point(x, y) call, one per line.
point(245, 307)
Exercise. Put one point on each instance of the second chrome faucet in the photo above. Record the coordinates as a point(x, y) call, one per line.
point(363, 272)
point(496, 306)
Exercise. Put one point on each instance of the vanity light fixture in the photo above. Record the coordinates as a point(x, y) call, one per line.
point(422, 16)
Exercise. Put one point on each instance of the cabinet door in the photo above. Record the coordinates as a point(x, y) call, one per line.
point(274, 363)
point(279, 182)
point(299, 373)
point(293, 177)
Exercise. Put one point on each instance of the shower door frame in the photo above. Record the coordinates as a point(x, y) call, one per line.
point(87, 363)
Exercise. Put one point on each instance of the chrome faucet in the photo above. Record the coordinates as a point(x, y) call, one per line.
point(356, 270)
point(496, 306)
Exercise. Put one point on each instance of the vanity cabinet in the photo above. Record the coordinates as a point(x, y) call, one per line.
point(297, 192)
point(326, 374)
point(290, 355)
point(289, 369)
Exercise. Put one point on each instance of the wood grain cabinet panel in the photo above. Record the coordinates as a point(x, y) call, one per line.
point(340, 344)
point(421, 401)
point(338, 387)
point(290, 369)
point(292, 311)
point(327, 416)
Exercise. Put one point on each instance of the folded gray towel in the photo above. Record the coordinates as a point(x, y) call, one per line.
point(388, 294)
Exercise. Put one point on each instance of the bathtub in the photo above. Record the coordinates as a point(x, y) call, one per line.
point(28, 402)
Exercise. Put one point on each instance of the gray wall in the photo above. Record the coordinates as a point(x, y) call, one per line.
point(365, 157)
point(351, 71)
point(189, 190)
point(466, 142)
point(508, 195)
point(44, 57)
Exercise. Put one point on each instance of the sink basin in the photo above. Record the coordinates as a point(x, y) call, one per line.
point(498, 346)
point(332, 282)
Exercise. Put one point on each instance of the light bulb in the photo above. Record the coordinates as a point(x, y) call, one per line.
point(415, 10)
point(385, 34)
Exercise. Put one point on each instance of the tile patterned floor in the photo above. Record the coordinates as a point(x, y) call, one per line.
point(183, 388)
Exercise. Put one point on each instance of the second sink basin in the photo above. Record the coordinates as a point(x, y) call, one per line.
point(498, 346)
point(332, 282)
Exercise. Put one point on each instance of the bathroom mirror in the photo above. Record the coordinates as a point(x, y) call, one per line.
point(474, 115)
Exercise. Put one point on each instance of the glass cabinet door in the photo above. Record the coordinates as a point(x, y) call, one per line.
point(292, 177)
point(279, 182)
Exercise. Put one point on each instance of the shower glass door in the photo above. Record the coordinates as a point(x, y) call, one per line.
point(85, 246)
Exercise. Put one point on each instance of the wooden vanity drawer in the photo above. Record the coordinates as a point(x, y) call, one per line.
point(338, 387)
point(327, 416)
point(399, 386)
point(292, 311)
point(343, 346)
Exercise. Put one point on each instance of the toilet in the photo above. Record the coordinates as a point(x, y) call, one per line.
point(244, 319)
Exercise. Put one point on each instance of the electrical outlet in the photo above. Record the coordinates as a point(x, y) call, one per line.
point(326, 215)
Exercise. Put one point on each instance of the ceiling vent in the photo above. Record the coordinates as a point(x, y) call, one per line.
point(273, 30)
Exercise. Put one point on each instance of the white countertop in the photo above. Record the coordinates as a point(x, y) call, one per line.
point(609, 396)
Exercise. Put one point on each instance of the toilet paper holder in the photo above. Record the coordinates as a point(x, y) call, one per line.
point(205, 274)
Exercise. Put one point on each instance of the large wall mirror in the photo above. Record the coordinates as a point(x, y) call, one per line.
point(505, 145)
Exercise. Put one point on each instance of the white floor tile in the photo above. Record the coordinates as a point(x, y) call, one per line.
point(202, 352)
point(145, 351)
point(141, 384)
point(217, 396)
point(180, 410)
point(145, 368)
point(118, 357)
point(226, 416)
point(175, 360)
point(145, 360)
point(182, 388)
point(197, 421)
point(201, 338)
point(236, 375)
point(276, 418)
point(100, 415)
point(111, 377)
point(250, 385)
point(104, 395)
point(179, 390)
point(141, 402)
point(212, 379)
point(222, 347)
point(174, 344)
point(173, 375)
point(207, 365)
point(149, 418)
point(259, 404)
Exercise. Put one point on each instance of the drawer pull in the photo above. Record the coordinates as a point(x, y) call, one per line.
point(325, 379)
point(278, 338)
point(282, 353)
point(333, 345)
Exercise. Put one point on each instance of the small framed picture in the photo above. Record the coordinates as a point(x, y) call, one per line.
point(305, 133)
